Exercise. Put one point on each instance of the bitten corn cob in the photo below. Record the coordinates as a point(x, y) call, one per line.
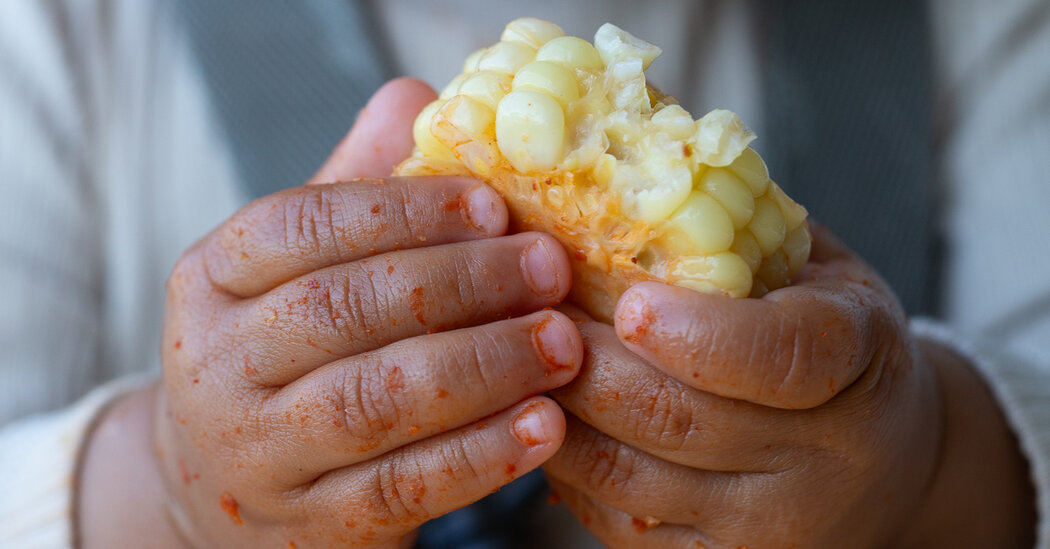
point(581, 147)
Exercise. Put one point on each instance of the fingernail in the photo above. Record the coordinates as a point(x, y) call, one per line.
point(539, 269)
point(528, 426)
point(634, 316)
point(481, 208)
point(555, 344)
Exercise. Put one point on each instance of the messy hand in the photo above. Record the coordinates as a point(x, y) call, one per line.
point(345, 361)
point(803, 419)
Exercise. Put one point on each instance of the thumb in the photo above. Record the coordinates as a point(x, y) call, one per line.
point(382, 135)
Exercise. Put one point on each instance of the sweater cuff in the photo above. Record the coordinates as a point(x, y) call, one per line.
point(38, 460)
point(1021, 389)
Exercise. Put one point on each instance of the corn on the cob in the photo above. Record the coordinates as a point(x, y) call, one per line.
point(580, 146)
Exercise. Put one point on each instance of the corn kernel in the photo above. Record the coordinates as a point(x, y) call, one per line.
point(767, 225)
point(453, 87)
point(571, 51)
point(463, 119)
point(731, 193)
point(705, 222)
point(745, 246)
point(797, 244)
point(651, 197)
point(794, 213)
point(615, 44)
point(530, 130)
point(720, 274)
point(506, 57)
point(471, 63)
point(550, 78)
point(466, 126)
point(675, 121)
point(750, 167)
point(488, 87)
point(774, 270)
point(721, 137)
point(531, 31)
point(425, 140)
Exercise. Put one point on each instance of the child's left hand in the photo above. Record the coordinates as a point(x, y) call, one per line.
point(804, 419)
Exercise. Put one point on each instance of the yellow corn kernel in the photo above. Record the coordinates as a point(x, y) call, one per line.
point(745, 246)
point(531, 31)
point(651, 197)
point(705, 222)
point(487, 87)
point(530, 130)
point(471, 63)
point(721, 137)
point(463, 119)
point(572, 52)
point(675, 121)
point(794, 213)
point(731, 193)
point(425, 140)
point(506, 57)
point(615, 44)
point(774, 271)
point(467, 127)
point(797, 244)
point(550, 78)
point(752, 170)
point(767, 226)
point(452, 89)
point(722, 273)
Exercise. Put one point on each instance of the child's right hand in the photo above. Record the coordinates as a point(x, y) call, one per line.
point(342, 362)
point(334, 354)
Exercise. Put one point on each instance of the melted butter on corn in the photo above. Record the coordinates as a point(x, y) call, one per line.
point(580, 146)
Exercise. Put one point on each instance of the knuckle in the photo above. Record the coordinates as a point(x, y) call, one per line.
point(469, 279)
point(478, 352)
point(395, 203)
point(331, 304)
point(463, 460)
point(662, 417)
point(398, 487)
point(347, 305)
point(606, 466)
point(368, 402)
point(786, 372)
point(309, 219)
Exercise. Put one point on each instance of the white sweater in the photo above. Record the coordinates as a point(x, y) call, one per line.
point(111, 164)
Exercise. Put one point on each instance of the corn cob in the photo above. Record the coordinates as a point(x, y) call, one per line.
point(580, 146)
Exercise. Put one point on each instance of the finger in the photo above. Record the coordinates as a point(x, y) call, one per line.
point(619, 394)
point(382, 134)
point(426, 479)
point(637, 483)
point(614, 528)
point(300, 230)
point(355, 409)
point(795, 348)
point(353, 308)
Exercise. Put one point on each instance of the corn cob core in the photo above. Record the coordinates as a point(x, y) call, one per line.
point(580, 146)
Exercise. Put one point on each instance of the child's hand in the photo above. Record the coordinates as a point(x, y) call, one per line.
point(804, 419)
point(305, 400)
point(343, 362)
